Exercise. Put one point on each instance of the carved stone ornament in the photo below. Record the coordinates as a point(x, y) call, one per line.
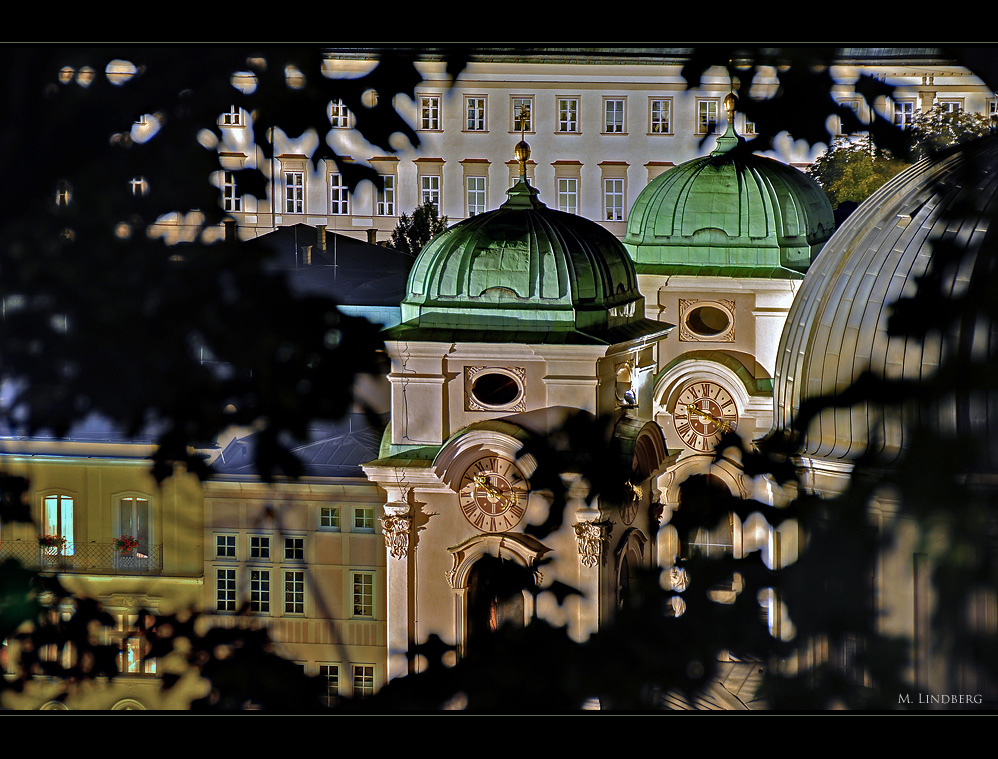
point(396, 529)
point(717, 333)
point(593, 540)
point(517, 374)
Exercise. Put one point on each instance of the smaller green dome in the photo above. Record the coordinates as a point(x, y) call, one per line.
point(729, 213)
point(523, 268)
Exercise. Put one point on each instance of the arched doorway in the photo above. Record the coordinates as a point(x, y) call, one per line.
point(495, 597)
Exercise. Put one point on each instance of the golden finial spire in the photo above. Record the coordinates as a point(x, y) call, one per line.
point(522, 149)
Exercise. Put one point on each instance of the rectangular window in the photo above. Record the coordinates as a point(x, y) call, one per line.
point(330, 673)
point(294, 549)
point(613, 199)
point(613, 110)
point(339, 196)
point(660, 116)
point(749, 128)
point(904, 113)
point(329, 518)
point(429, 190)
point(474, 107)
point(523, 109)
point(259, 547)
point(363, 594)
point(133, 520)
point(294, 192)
point(294, 592)
point(230, 200)
point(225, 589)
point(132, 660)
point(386, 196)
point(476, 195)
point(339, 115)
point(950, 106)
point(225, 546)
point(363, 680)
point(429, 112)
point(232, 117)
point(707, 116)
point(260, 591)
point(568, 115)
point(568, 194)
point(58, 521)
point(363, 519)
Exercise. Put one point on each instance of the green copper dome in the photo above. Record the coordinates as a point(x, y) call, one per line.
point(729, 214)
point(525, 270)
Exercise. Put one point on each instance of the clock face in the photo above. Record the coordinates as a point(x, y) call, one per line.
point(493, 494)
point(704, 412)
point(629, 508)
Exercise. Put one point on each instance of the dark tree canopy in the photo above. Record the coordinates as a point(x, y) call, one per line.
point(413, 232)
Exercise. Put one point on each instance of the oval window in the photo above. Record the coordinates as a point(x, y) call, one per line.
point(708, 320)
point(495, 389)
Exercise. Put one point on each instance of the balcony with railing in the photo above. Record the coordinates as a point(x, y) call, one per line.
point(97, 558)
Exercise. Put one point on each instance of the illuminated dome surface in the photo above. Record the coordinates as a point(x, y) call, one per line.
point(837, 327)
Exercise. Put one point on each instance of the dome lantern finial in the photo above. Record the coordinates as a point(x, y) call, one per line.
point(730, 138)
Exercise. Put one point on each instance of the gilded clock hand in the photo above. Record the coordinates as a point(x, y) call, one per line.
point(721, 423)
point(483, 482)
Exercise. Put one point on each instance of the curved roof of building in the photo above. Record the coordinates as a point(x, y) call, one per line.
point(730, 213)
point(524, 273)
point(837, 328)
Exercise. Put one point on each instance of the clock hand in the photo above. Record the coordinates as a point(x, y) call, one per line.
point(482, 481)
point(721, 423)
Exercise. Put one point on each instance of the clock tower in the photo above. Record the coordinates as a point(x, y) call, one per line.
point(515, 321)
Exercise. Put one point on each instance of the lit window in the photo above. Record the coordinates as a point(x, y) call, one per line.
point(259, 547)
point(329, 518)
point(749, 127)
point(330, 673)
point(474, 107)
point(523, 109)
point(230, 200)
point(294, 592)
point(386, 196)
point(363, 680)
point(476, 195)
point(294, 549)
point(294, 192)
point(232, 117)
point(339, 196)
point(62, 193)
point(660, 116)
point(568, 115)
point(339, 115)
point(139, 186)
point(260, 591)
point(568, 194)
point(225, 589)
point(225, 546)
point(613, 110)
point(133, 514)
point(707, 116)
point(133, 659)
point(429, 190)
point(429, 112)
point(363, 518)
point(613, 199)
point(58, 524)
point(363, 594)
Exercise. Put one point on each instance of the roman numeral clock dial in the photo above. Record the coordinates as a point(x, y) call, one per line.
point(704, 411)
point(493, 494)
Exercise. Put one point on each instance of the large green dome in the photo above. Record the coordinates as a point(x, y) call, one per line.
point(525, 270)
point(729, 214)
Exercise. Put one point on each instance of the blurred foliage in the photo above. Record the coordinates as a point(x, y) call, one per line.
point(413, 232)
point(853, 171)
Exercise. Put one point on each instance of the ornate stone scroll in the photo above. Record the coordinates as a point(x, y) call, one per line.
point(593, 540)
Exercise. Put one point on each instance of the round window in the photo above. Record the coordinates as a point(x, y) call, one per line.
point(708, 320)
point(495, 389)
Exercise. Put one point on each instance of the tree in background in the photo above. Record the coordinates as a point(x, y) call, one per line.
point(939, 128)
point(413, 232)
point(853, 171)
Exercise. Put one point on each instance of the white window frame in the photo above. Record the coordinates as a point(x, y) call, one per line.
point(568, 194)
point(231, 202)
point(362, 677)
point(294, 591)
point(429, 113)
point(329, 518)
point(363, 519)
point(476, 196)
point(429, 190)
point(339, 195)
point(613, 199)
point(339, 115)
point(259, 590)
point(232, 117)
point(259, 548)
point(704, 108)
point(515, 103)
point(330, 673)
point(225, 589)
point(362, 594)
point(294, 191)
point(476, 111)
point(950, 105)
point(568, 115)
point(226, 546)
point(385, 196)
point(58, 520)
point(294, 548)
point(134, 517)
point(614, 115)
point(904, 112)
point(660, 116)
